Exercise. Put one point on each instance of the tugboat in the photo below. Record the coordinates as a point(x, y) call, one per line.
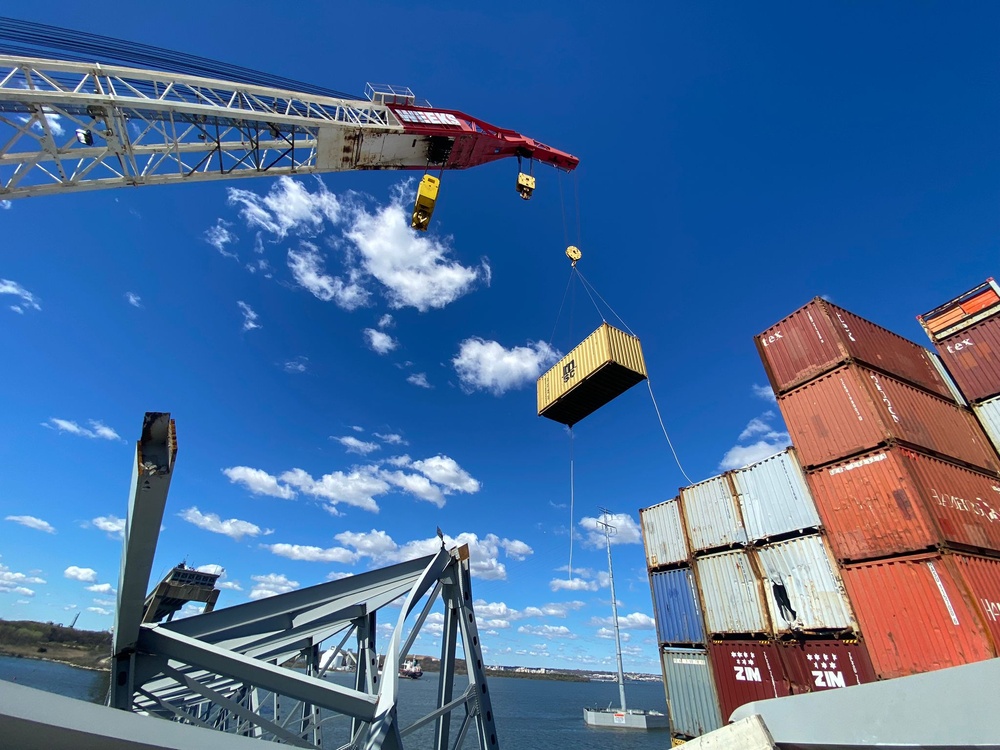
point(411, 669)
point(620, 718)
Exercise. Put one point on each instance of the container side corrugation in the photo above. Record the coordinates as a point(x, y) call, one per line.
point(966, 309)
point(678, 612)
point(915, 616)
point(606, 364)
point(711, 515)
point(988, 414)
point(691, 698)
point(731, 594)
point(854, 409)
point(805, 568)
point(973, 358)
point(981, 576)
point(815, 665)
point(746, 671)
point(819, 336)
point(956, 394)
point(774, 498)
point(663, 534)
point(894, 501)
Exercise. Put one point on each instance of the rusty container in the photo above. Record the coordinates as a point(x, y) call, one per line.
point(731, 593)
point(982, 578)
point(815, 665)
point(819, 336)
point(853, 409)
point(712, 515)
point(972, 356)
point(916, 615)
point(663, 534)
point(894, 501)
point(961, 312)
point(746, 671)
point(605, 365)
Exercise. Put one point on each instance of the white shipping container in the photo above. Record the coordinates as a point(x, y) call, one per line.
point(711, 515)
point(731, 594)
point(988, 413)
point(774, 497)
point(802, 587)
point(663, 534)
point(691, 698)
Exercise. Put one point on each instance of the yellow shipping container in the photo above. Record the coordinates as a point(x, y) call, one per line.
point(603, 367)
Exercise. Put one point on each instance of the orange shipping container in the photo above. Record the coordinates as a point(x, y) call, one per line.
point(963, 311)
point(854, 409)
point(916, 615)
point(894, 501)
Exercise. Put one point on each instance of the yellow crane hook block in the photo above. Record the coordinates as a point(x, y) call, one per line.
point(525, 185)
point(423, 209)
point(605, 365)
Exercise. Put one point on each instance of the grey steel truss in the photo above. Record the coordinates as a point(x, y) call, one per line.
point(256, 669)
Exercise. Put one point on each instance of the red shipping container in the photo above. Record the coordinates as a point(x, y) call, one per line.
point(854, 409)
point(746, 671)
point(972, 356)
point(982, 577)
point(894, 501)
point(811, 666)
point(819, 336)
point(915, 615)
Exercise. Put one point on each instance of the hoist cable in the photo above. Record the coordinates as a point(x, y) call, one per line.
point(596, 306)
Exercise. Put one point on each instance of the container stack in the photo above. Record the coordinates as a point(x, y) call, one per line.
point(966, 333)
point(904, 481)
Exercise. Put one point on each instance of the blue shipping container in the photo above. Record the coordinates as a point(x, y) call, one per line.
point(675, 602)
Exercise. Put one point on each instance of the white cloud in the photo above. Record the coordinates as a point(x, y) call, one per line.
point(419, 379)
point(549, 631)
point(416, 484)
point(764, 392)
point(101, 588)
point(133, 299)
point(770, 441)
point(234, 528)
point(97, 429)
point(516, 548)
point(634, 621)
point(552, 609)
point(446, 471)
point(110, 524)
point(391, 438)
point(287, 207)
point(299, 364)
point(249, 316)
point(572, 584)
point(13, 583)
point(379, 342)
point(54, 121)
point(357, 428)
point(85, 575)
point(259, 482)
point(627, 530)
point(27, 298)
point(212, 569)
point(32, 523)
point(608, 634)
point(102, 602)
point(271, 584)
point(488, 366)
point(99, 610)
point(384, 322)
point(307, 267)
point(219, 237)
point(414, 269)
point(760, 426)
point(229, 585)
point(354, 445)
point(358, 487)
point(6, 205)
point(313, 554)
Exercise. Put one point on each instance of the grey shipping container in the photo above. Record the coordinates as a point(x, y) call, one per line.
point(691, 698)
point(774, 497)
point(731, 593)
point(675, 602)
point(711, 515)
point(988, 414)
point(663, 534)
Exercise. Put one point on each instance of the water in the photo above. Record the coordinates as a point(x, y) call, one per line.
point(530, 714)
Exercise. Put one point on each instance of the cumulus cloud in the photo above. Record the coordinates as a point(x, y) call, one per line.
point(271, 584)
point(379, 342)
point(6, 205)
point(516, 548)
point(113, 525)
point(97, 429)
point(313, 554)
point(572, 584)
point(101, 588)
point(234, 528)
point(27, 299)
point(259, 482)
point(229, 585)
point(288, 207)
point(446, 471)
point(627, 531)
point(32, 523)
point(419, 379)
point(133, 299)
point(299, 364)
point(212, 569)
point(391, 438)
point(769, 440)
point(99, 610)
point(86, 575)
point(357, 487)
point(548, 631)
point(764, 392)
point(385, 321)
point(220, 237)
point(354, 445)
point(488, 366)
point(249, 316)
point(12, 582)
point(634, 621)
point(308, 270)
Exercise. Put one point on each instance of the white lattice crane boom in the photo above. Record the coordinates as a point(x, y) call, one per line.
point(69, 126)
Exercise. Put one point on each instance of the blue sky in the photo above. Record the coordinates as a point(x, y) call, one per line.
point(736, 161)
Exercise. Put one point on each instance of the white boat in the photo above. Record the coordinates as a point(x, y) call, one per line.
point(623, 717)
point(411, 668)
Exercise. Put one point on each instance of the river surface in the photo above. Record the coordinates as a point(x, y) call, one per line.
point(530, 714)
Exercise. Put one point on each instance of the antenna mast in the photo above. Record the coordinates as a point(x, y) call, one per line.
point(608, 531)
